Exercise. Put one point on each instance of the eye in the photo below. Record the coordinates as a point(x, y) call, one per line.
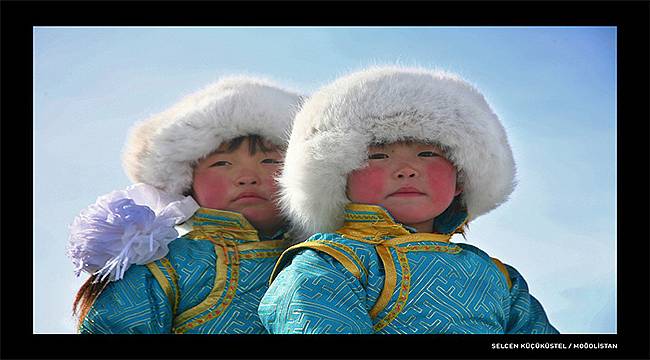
point(428, 154)
point(272, 161)
point(221, 163)
point(377, 156)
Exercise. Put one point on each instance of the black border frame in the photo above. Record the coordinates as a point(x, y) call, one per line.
point(18, 18)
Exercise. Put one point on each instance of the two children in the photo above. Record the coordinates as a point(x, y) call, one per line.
point(384, 166)
point(221, 147)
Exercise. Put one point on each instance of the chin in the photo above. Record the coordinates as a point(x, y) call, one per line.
point(412, 215)
point(259, 217)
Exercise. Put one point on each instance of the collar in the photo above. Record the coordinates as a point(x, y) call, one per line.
point(375, 223)
point(208, 220)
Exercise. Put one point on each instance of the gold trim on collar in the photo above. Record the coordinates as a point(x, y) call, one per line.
point(365, 212)
point(223, 218)
point(415, 237)
point(372, 234)
point(372, 222)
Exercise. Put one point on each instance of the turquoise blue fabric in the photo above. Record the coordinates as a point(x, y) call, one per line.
point(139, 304)
point(456, 289)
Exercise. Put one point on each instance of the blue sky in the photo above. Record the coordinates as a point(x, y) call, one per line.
point(554, 89)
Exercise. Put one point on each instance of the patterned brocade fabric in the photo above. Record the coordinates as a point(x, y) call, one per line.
point(210, 282)
point(377, 276)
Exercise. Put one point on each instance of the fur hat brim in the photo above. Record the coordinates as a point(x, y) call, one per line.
point(334, 128)
point(161, 150)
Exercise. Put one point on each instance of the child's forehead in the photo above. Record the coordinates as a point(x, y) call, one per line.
point(404, 143)
point(253, 142)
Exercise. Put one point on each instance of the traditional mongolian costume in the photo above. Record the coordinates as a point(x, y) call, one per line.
point(211, 279)
point(363, 272)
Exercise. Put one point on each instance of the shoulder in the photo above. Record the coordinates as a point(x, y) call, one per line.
point(188, 252)
point(341, 243)
point(186, 244)
point(474, 250)
point(327, 248)
point(127, 304)
point(508, 272)
point(185, 253)
point(136, 285)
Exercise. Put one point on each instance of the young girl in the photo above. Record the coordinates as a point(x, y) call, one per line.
point(220, 147)
point(385, 165)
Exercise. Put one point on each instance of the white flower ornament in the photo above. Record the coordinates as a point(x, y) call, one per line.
point(125, 227)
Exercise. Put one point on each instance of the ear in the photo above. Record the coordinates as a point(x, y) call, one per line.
point(459, 189)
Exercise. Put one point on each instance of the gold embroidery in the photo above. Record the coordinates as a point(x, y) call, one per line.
point(417, 237)
point(377, 213)
point(164, 284)
point(363, 221)
point(317, 245)
point(174, 277)
point(389, 282)
point(371, 234)
point(385, 237)
point(503, 269)
point(378, 228)
point(212, 298)
point(403, 294)
point(454, 249)
point(267, 244)
point(264, 249)
point(227, 299)
point(225, 247)
point(230, 233)
point(212, 232)
point(350, 252)
point(223, 217)
point(344, 260)
point(261, 254)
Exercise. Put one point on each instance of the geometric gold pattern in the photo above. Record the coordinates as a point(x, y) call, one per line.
point(404, 283)
point(211, 282)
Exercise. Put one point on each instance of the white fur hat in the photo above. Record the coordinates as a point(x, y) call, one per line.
point(161, 150)
point(334, 128)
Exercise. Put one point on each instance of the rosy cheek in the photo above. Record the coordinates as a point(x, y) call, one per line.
point(210, 190)
point(441, 179)
point(366, 185)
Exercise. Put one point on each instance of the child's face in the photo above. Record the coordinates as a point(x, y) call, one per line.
point(240, 182)
point(413, 181)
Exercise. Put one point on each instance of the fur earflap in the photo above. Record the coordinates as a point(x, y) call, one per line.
point(161, 150)
point(334, 128)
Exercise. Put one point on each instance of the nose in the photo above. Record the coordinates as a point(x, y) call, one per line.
point(247, 179)
point(406, 171)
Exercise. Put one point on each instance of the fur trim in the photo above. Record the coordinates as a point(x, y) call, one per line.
point(161, 150)
point(332, 132)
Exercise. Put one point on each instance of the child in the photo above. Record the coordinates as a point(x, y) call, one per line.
point(385, 165)
point(222, 147)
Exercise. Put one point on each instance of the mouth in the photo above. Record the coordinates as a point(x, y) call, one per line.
point(249, 196)
point(407, 191)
